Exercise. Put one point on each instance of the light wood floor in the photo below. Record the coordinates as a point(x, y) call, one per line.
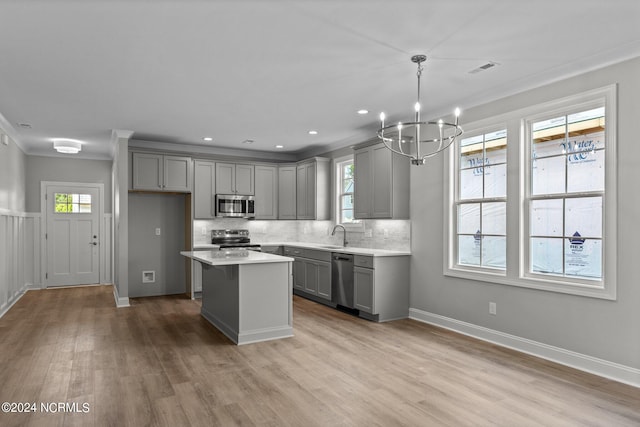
point(159, 363)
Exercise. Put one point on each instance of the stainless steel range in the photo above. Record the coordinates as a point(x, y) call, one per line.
point(233, 240)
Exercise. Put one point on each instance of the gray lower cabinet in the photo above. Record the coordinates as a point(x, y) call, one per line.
point(381, 287)
point(204, 185)
point(157, 172)
point(311, 271)
point(364, 289)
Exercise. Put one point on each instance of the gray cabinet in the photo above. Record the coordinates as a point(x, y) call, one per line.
point(312, 189)
point(381, 287)
point(204, 184)
point(311, 272)
point(287, 192)
point(234, 178)
point(363, 289)
point(157, 172)
point(266, 192)
point(382, 183)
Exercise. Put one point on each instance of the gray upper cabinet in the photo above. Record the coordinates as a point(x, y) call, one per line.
point(287, 192)
point(203, 189)
point(156, 172)
point(234, 179)
point(312, 189)
point(266, 192)
point(382, 183)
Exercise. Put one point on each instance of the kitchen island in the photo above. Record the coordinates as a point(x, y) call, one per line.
point(247, 295)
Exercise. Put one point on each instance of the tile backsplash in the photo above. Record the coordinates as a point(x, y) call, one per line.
point(377, 234)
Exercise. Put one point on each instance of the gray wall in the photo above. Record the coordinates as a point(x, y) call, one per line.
point(65, 169)
point(147, 251)
point(599, 328)
point(12, 177)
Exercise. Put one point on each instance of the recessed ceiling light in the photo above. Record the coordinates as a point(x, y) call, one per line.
point(207, 138)
point(313, 132)
point(248, 141)
point(279, 146)
point(363, 112)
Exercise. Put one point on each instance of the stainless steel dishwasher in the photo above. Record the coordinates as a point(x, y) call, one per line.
point(342, 279)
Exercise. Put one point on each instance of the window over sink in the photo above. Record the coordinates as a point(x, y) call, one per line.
point(344, 190)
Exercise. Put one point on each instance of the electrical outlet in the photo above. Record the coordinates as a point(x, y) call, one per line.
point(157, 231)
point(492, 308)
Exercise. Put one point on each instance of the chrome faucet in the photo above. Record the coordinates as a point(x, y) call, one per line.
point(344, 230)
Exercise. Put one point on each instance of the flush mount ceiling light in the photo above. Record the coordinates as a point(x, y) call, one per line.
point(419, 140)
point(67, 146)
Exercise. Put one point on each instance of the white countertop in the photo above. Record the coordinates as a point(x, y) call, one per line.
point(222, 257)
point(318, 246)
point(340, 249)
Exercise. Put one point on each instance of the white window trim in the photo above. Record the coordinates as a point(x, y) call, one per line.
point(357, 225)
point(517, 216)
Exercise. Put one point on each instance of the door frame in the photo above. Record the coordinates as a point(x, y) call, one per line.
point(44, 221)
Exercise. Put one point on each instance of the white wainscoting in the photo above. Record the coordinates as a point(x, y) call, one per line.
point(19, 256)
point(600, 367)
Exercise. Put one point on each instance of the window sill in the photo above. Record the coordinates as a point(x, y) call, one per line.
point(542, 284)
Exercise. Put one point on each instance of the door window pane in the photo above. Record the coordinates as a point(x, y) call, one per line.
point(72, 203)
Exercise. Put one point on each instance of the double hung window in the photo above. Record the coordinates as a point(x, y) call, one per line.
point(547, 221)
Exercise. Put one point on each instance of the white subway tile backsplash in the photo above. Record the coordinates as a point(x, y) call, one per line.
point(384, 234)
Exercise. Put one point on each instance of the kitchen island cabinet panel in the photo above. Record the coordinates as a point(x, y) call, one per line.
point(246, 295)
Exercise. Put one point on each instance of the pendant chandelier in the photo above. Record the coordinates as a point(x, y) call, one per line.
point(419, 140)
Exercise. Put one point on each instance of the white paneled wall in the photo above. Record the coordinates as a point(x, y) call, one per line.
point(19, 255)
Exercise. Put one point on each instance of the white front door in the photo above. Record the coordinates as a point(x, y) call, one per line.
point(72, 235)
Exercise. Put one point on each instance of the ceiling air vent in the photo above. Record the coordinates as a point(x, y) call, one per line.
point(484, 67)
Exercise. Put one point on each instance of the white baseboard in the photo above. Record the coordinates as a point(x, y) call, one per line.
point(121, 302)
point(7, 306)
point(593, 365)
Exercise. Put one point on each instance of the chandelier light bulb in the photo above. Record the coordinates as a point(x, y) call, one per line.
point(456, 112)
point(440, 123)
point(417, 107)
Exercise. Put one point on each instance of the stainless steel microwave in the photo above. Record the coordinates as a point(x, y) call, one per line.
point(235, 206)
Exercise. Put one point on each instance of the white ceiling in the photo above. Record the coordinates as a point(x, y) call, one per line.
point(270, 71)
